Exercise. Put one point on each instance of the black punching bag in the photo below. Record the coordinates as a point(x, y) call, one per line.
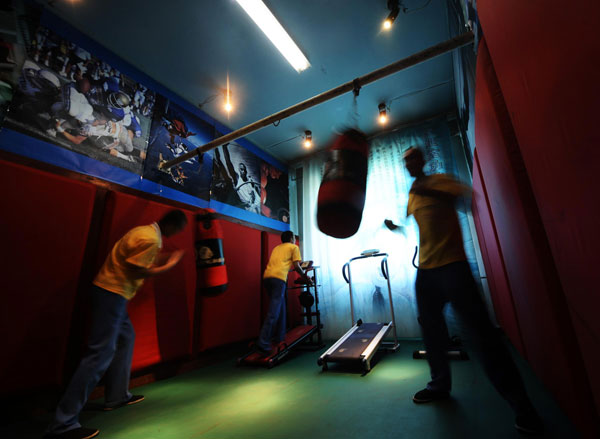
point(342, 193)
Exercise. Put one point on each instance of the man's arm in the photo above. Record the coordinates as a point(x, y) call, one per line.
point(394, 227)
point(73, 139)
point(301, 272)
point(440, 186)
point(230, 168)
point(163, 262)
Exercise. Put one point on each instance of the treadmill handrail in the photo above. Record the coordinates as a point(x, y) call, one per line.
point(383, 263)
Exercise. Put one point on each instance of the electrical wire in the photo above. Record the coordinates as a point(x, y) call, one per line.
point(208, 99)
point(407, 11)
point(418, 91)
point(283, 141)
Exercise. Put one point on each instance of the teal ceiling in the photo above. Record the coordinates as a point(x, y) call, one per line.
point(191, 45)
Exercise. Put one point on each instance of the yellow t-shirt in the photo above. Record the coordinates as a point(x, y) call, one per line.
point(139, 248)
point(282, 260)
point(440, 237)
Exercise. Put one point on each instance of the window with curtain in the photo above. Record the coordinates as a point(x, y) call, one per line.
point(388, 184)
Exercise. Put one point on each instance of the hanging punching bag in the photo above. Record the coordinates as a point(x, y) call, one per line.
point(210, 263)
point(342, 193)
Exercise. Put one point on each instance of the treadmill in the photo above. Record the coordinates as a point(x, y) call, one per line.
point(363, 340)
point(301, 336)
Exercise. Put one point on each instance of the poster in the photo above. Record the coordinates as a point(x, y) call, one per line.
point(275, 196)
point(174, 132)
point(236, 177)
point(68, 97)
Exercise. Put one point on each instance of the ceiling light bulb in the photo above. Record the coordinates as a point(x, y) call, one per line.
point(382, 114)
point(387, 24)
point(228, 107)
point(307, 139)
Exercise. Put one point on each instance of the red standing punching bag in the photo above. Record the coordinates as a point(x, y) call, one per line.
point(210, 263)
point(342, 193)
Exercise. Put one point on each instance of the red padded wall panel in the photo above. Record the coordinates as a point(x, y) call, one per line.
point(235, 314)
point(545, 327)
point(43, 229)
point(544, 56)
point(591, 356)
point(162, 310)
point(494, 266)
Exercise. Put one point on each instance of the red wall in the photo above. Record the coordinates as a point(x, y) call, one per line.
point(43, 240)
point(493, 260)
point(541, 57)
point(56, 233)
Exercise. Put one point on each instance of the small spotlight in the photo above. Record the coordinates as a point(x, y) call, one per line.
point(394, 8)
point(382, 114)
point(387, 24)
point(228, 107)
point(307, 139)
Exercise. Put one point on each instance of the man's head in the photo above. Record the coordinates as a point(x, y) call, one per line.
point(173, 222)
point(414, 161)
point(287, 236)
point(243, 171)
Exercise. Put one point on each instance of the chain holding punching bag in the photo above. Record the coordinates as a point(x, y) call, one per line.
point(341, 196)
point(210, 263)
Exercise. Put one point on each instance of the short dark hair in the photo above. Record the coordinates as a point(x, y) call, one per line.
point(174, 218)
point(287, 236)
point(413, 150)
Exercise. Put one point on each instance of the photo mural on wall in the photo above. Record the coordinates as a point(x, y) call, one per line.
point(275, 195)
point(68, 97)
point(174, 132)
point(236, 177)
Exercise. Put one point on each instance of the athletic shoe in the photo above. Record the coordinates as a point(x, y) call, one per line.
point(76, 433)
point(529, 423)
point(133, 400)
point(261, 351)
point(427, 395)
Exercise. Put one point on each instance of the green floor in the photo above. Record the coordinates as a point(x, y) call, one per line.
point(297, 400)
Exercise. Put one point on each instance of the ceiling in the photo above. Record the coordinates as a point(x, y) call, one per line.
point(191, 46)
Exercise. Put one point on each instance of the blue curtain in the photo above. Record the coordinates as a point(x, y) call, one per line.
point(386, 197)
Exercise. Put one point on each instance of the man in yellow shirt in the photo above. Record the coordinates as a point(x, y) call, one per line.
point(444, 276)
point(283, 258)
point(110, 344)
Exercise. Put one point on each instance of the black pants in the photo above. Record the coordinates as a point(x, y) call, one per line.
point(454, 283)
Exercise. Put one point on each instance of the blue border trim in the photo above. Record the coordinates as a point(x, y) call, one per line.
point(72, 34)
point(31, 147)
point(250, 217)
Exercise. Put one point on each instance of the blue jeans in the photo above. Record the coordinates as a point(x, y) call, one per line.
point(273, 328)
point(109, 352)
point(453, 283)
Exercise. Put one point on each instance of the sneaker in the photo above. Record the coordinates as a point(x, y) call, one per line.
point(427, 395)
point(530, 424)
point(133, 400)
point(261, 351)
point(76, 433)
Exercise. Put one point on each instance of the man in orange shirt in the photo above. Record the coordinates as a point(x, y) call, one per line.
point(283, 258)
point(110, 345)
point(443, 277)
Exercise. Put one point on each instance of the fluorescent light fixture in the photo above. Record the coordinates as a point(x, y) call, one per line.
point(267, 22)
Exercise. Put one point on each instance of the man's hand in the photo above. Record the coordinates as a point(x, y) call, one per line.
point(393, 227)
point(390, 225)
